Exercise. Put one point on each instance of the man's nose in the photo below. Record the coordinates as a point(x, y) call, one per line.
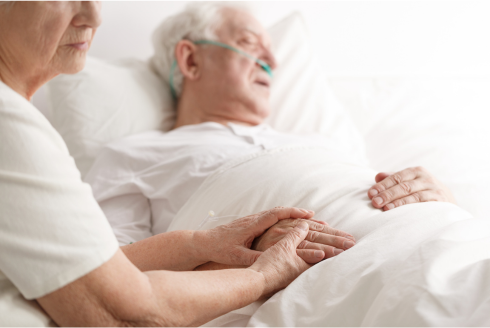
point(268, 57)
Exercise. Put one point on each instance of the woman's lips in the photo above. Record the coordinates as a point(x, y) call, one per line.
point(80, 46)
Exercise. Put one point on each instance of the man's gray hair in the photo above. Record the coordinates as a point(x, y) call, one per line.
point(199, 20)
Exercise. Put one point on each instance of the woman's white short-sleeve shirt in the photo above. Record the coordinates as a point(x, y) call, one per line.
point(52, 231)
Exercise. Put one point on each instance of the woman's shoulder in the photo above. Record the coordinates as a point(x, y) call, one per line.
point(29, 143)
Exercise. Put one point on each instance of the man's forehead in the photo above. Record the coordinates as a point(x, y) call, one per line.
point(237, 21)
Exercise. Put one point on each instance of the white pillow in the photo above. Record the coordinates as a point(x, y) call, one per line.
point(108, 101)
point(105, 102)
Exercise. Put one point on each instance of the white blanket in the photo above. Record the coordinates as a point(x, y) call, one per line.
point(421, 264)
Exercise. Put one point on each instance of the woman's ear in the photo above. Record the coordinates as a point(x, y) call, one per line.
point(187, 59)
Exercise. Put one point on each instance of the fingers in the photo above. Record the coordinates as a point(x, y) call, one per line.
point(398, 185)
point(417, 197)
point(317, 221)
point(381, 176)
point(325, 229)
point(311, 256)
point(329, 251)
point(268, 218)
point(329, 240)
point(401, 190)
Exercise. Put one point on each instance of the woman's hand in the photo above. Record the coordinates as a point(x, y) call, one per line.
point(320, 236)
point(230, 243)
point(412, 185)
point(280, 264)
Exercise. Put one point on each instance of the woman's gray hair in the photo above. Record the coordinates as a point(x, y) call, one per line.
point(199, 20)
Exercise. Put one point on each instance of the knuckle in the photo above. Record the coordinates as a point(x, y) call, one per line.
point(303, 244)
point(312, 235)
point(295, 234)
point(396, 178)
point(379, 187)
point(387, 195)
point(315, 226)
point(406, 187)
point(416, 196)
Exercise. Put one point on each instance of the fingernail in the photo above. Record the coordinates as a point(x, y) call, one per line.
point(350, 237)
point(378, 200)
point(373, 192)
point(318, 254)
point(302, 226)
point(348, 244)
point(311, 212)
point(390, 206)
point(337, 251)
point(304, 211)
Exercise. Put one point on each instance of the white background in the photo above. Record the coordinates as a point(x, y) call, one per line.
point(353, 38)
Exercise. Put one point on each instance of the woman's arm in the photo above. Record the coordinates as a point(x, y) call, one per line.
point(117, 293)
point(176, 251)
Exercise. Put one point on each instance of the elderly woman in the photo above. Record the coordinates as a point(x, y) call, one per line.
point(59, 259)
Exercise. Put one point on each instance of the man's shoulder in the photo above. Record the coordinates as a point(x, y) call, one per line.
point(134, 150)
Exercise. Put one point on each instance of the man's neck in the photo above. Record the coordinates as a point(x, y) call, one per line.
point(191, 112)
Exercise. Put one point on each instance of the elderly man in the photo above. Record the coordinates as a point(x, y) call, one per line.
point(217, 59)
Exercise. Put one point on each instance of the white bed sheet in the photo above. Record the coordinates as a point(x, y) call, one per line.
point(420, 264)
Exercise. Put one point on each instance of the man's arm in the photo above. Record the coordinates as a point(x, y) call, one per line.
point(117, 293)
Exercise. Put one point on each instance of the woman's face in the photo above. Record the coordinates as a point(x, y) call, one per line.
point(43, 39)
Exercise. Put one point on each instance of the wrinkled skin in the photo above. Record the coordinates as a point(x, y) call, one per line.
point(280, 264)
point(412, 185)
point(230, 243)
point(39, 40)
point(320, 236)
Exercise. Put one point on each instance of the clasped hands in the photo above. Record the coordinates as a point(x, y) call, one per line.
point(279, 243)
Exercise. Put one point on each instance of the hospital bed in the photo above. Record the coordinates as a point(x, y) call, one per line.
point(424, 264)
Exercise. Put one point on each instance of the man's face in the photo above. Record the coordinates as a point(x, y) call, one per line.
point(240, 84)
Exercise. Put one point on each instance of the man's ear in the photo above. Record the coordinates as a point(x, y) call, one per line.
point(187, 59)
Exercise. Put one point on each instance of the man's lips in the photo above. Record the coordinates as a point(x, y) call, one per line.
point(80, 45)
point(264, 83)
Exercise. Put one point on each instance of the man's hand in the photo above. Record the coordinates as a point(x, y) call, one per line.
point(230, 243)
point(412, 185)
point(327, 241)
